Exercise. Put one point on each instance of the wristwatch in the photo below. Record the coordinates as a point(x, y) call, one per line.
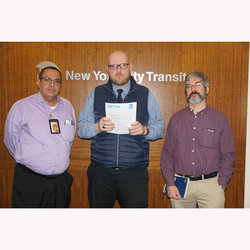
point(147, 131)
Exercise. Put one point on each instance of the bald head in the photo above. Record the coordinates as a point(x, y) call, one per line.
point(119, 68)
point(118, 57)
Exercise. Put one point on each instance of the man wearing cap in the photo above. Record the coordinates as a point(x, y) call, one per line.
point(39, 132)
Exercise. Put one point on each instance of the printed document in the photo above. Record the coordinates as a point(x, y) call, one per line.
point(122, 115)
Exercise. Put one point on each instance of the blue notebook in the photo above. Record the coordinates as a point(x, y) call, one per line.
point(181, 183)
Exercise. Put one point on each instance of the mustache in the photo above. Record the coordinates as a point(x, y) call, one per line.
point(193, 93)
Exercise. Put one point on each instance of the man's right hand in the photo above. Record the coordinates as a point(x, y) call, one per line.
point(105, 124)
point(173, 192)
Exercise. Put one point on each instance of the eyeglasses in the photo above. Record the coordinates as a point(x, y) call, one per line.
point(122, 66)
point(196, 85)
point(49, 80)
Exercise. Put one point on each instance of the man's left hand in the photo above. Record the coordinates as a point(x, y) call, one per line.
point(137, 129)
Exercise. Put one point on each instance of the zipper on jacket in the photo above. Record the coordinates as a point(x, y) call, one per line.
point(117, 150)
point(118, 136)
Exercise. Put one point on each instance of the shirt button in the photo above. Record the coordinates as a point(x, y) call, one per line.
point(194, 127)
point(192, 151)
point(195, 117)
point(193, 139)
point(192, 163)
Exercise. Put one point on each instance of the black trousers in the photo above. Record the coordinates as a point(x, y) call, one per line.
point(31, 190)
point(128, 186)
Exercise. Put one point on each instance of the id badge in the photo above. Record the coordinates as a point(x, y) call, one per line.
point(54, 126)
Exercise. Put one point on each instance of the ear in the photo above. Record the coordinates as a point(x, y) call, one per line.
point(207, 90)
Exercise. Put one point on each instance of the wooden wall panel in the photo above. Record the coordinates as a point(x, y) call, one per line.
point(225, 63)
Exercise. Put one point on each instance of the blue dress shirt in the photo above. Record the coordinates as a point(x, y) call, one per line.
point(87, 126)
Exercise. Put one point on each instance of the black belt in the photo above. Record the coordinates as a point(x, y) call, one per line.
point(120, 168)
point(35, 173)
point(113, 168)
point(200, 177)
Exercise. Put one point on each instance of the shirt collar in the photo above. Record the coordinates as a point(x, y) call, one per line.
point(41, 100)
point(201, 111)
point(125, 89)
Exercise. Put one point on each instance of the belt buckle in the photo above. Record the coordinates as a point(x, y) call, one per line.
point(116, 168)
point(194, 176)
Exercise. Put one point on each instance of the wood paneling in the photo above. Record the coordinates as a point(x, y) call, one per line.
point(225, 63)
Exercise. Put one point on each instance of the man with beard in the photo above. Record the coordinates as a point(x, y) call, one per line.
point(199, 145)
point(118, 169)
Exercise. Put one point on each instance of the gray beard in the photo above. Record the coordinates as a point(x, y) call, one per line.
point(196, 101)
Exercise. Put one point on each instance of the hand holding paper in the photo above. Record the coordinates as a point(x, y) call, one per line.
point(137, 129)
point(105, 124)
point(122, 115)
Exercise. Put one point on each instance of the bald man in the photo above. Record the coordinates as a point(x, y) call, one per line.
point(118, 169)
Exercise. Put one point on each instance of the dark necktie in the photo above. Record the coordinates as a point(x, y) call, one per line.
point(119, 98)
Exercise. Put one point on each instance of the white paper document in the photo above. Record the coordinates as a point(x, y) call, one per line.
point(122, 115)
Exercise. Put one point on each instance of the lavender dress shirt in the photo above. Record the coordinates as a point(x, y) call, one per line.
point(198, 144)
point(28, 138)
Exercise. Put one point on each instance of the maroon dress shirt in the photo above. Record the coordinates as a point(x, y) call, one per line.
point(198, 144)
